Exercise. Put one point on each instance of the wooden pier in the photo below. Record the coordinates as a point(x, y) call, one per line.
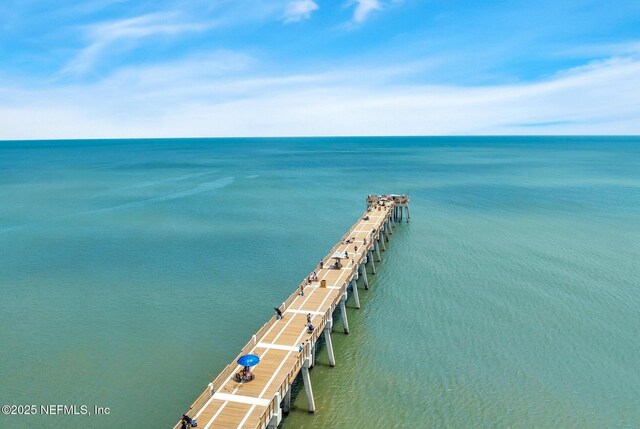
point(285, 346)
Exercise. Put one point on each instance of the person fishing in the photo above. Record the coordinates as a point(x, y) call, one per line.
point(188, 422)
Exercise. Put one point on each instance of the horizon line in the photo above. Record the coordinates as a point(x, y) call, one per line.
point(329, 137)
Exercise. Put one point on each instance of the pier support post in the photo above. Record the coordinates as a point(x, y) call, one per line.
point(377, 247)
point(277, 415)
point(343, 312)
point(408, 217)
point(354, 287)
point(287, 400)
point(373, 264)
point(307, 387)
point(364, 277)
point(312, 357)
point(327, 339)
point(381, 240)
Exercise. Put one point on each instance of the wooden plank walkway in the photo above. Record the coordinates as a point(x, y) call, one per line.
point(285, 346)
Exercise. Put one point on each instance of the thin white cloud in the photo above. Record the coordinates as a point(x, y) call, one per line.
point(600, 50)
point(364, 8)
point(297, 10)
point(126, 33)
point(599, 98)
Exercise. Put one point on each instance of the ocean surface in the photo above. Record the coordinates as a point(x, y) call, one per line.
point(131, 270)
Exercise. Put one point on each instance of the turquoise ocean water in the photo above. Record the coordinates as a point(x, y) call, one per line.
point(130, 270)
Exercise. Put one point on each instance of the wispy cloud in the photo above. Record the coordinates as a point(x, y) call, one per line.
point(298, 10)
point(117, 68)
point(600, 49)
point(127, 33)
point(599, 98)
point(364, 8)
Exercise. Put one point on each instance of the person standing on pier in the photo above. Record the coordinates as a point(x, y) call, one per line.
point(309, 318)
point(321, 264)
point(278, 313)
point(187, 421)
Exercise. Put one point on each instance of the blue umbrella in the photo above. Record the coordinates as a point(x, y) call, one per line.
point(248, 360)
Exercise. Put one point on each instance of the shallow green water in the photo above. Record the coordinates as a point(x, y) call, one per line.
point(512, 299)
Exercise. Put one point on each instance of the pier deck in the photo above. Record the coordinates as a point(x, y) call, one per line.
point(285, 346)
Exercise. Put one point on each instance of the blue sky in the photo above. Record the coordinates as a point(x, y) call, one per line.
point(118, 68)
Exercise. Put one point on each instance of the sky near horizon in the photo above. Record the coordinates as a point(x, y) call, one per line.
point(119, 68)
